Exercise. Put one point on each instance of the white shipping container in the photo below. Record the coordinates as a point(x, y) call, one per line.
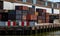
point(8, 5)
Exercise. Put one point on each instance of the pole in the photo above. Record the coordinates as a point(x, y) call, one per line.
point(52, 8)
point(59, 15)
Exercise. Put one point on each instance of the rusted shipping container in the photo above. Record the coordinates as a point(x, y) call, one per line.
point(28, 17)
point(21, 8)
point(47, 15)
point(31, 11)
point(33, 17)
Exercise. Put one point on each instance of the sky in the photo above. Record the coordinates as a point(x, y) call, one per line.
point(54, 0)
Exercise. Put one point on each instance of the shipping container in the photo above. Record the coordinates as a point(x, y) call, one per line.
point(24, 17)
point(28, 17)
point(4, 16)
point(49, 4)
point(43, 21)
point(41, 10)
point(18, 22)
point(13, 23)
point(31, 11)
point(25, 12)
point(23, 23)
point(39, 17)
point(29, 1)
point(2, 23)
point(0, 17)
point(21, 8)
point(33, 17)
point(41, 2)
point(39, 21)
point(19, 12)
point(47, 15)
point(18, 17)
point(12, 17)
point(11, 12)
point(1, 4)
point(36, 13)
point(47, 20)
point(32, 23)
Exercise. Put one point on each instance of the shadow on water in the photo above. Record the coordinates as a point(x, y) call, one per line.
point(40, 32)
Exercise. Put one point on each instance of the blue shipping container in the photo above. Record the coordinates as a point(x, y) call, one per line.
point(18, 12)
point(2, 23)
point(32, 23)
point(11, 12)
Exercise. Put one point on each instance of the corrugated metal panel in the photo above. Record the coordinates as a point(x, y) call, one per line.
point(11, 12)
point(25, 12)
point(32, 23)
point(4, 16)
point(21, 8)
point(18, 12)
point(2, 23)
point(30, 1)
point(12, 16)
point(18, 17)
point(24, 18)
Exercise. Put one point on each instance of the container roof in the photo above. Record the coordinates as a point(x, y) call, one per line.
point(53, 1)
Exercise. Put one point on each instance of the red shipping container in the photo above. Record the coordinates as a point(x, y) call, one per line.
point(14, 23)
point(28, 17)
point(0, 16)
point(22, 23)
point(33, 17)
point(9, 23)
point(27, 23)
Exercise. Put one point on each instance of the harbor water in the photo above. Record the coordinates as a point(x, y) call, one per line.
point(52, 33)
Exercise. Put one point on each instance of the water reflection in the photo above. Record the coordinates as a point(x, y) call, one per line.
point(53, 33)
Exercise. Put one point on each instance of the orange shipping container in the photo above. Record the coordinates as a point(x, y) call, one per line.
point(47, 15)
point(28, 17)
point(36, 13)
point(33, 17)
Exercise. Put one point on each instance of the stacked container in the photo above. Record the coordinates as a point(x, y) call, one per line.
point(11, 15)
point(21, 13)
point(47, 17)
point(1, 5)
point(41, 15)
